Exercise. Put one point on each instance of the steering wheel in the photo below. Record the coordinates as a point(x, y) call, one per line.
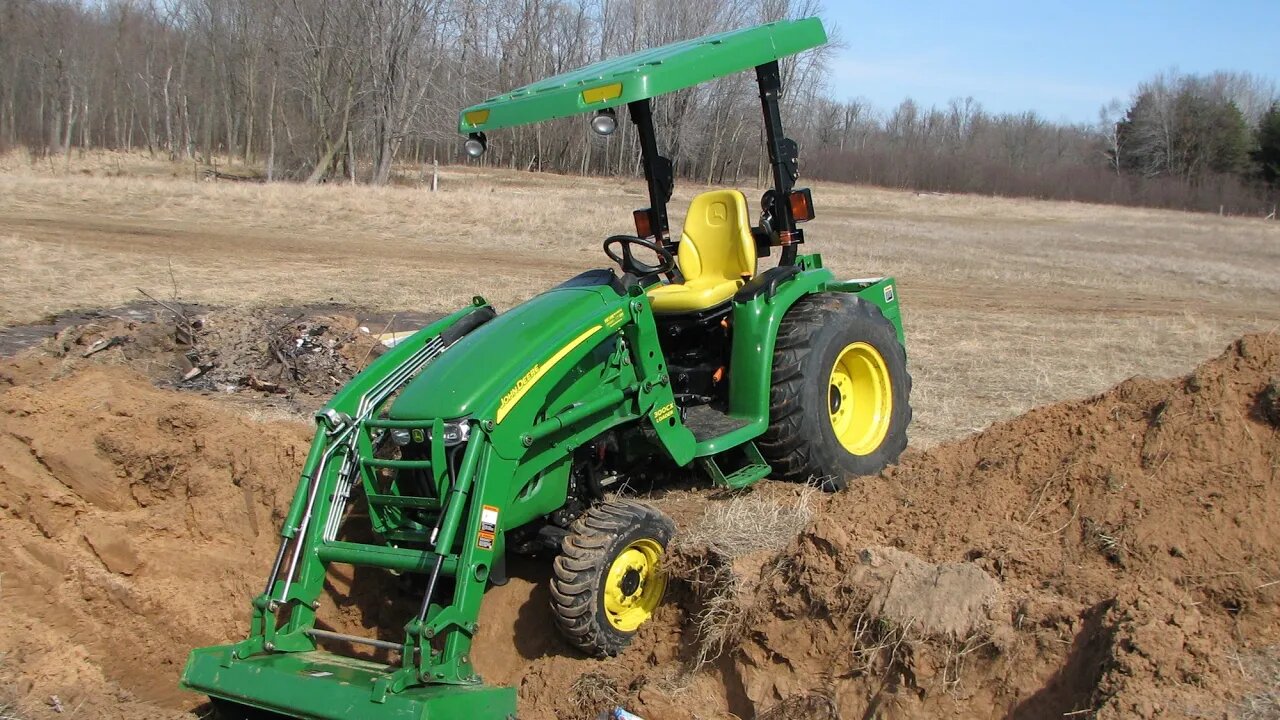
point(627, 260)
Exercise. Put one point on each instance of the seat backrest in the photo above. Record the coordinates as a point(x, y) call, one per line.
point(716, 244)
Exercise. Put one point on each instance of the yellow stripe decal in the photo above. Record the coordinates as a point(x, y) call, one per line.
point(535, 374)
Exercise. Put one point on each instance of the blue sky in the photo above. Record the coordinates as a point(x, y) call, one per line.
point(1062, 59)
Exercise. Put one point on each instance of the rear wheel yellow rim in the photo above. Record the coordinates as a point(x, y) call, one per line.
point(634, 585)
point(860, 398)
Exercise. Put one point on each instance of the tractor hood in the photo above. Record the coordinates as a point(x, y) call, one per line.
point(470, 378)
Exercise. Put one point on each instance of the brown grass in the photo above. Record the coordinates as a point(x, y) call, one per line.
point(750, 522)
point(1007, 303)
point(1262, 670)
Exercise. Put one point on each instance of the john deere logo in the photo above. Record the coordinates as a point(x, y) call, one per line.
point(717, 214)
point(517, 391)
point(521, 385)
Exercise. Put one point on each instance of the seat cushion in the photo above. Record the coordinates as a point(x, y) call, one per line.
point(692, 296)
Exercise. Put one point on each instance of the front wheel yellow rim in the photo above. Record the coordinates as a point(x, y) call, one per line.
point(860, 398)
point(634, 585)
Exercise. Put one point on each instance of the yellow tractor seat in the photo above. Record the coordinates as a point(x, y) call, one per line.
point(716, 256)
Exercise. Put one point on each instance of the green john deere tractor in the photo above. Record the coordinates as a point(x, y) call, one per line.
point(487, 434)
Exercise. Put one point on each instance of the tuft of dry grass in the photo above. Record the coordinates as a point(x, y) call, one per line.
point(745, 524)
point(812, 705)
point(1262, 669)
point(594, 689)
point(957, 655)
point(727, 608)
point(881, 648)
point(750, 522)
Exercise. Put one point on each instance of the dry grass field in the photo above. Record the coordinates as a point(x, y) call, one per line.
point(1008, 304)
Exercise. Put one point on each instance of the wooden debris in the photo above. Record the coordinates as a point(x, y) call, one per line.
point(212, 174)
point(197, 371)
point(263, 386)
point(103, 344)
point(185, 328)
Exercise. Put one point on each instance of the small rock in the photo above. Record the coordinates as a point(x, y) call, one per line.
point(1269, 403)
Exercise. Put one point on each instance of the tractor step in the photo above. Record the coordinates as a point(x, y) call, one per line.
point(753, 468)
point(317, 685)
point(706, 422)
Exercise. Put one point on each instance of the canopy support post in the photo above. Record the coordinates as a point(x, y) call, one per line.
point(657, 170)
point(783, 159)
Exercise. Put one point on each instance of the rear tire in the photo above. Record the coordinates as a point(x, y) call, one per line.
point(839, 405)
point(608, 579)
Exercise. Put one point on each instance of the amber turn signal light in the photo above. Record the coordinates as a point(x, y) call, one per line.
point(801, 202)
point(644, 223)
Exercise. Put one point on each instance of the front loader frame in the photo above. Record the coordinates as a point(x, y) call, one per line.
point(474, 490)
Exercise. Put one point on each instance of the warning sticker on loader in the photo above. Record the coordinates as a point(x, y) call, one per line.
point(488, 527)
point(488, 519)
point(888, 293)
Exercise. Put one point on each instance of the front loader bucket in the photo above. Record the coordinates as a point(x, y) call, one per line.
point(322, 686)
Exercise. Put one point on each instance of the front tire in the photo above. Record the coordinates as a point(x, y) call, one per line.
point(839, 405)
point(608, 579)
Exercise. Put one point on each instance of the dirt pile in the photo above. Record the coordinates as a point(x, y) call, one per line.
point(1110, 557)
point(134, 522)
point(1132, 536)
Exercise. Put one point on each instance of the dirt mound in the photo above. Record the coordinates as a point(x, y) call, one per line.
point(1131, 533)
point(135, 522)
point(1109, 557)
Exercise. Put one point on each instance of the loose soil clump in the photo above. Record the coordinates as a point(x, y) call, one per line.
point(1112, 557)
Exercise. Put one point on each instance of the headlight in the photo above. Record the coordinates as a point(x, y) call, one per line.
point(456, 432)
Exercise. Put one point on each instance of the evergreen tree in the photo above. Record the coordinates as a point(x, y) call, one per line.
point(1267, 155)
point(1183, 128)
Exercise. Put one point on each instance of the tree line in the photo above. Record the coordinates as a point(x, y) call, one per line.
point(313, 90)
point(1195, 142)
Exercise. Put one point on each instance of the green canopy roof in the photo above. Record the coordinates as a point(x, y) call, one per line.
point(645, 74)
